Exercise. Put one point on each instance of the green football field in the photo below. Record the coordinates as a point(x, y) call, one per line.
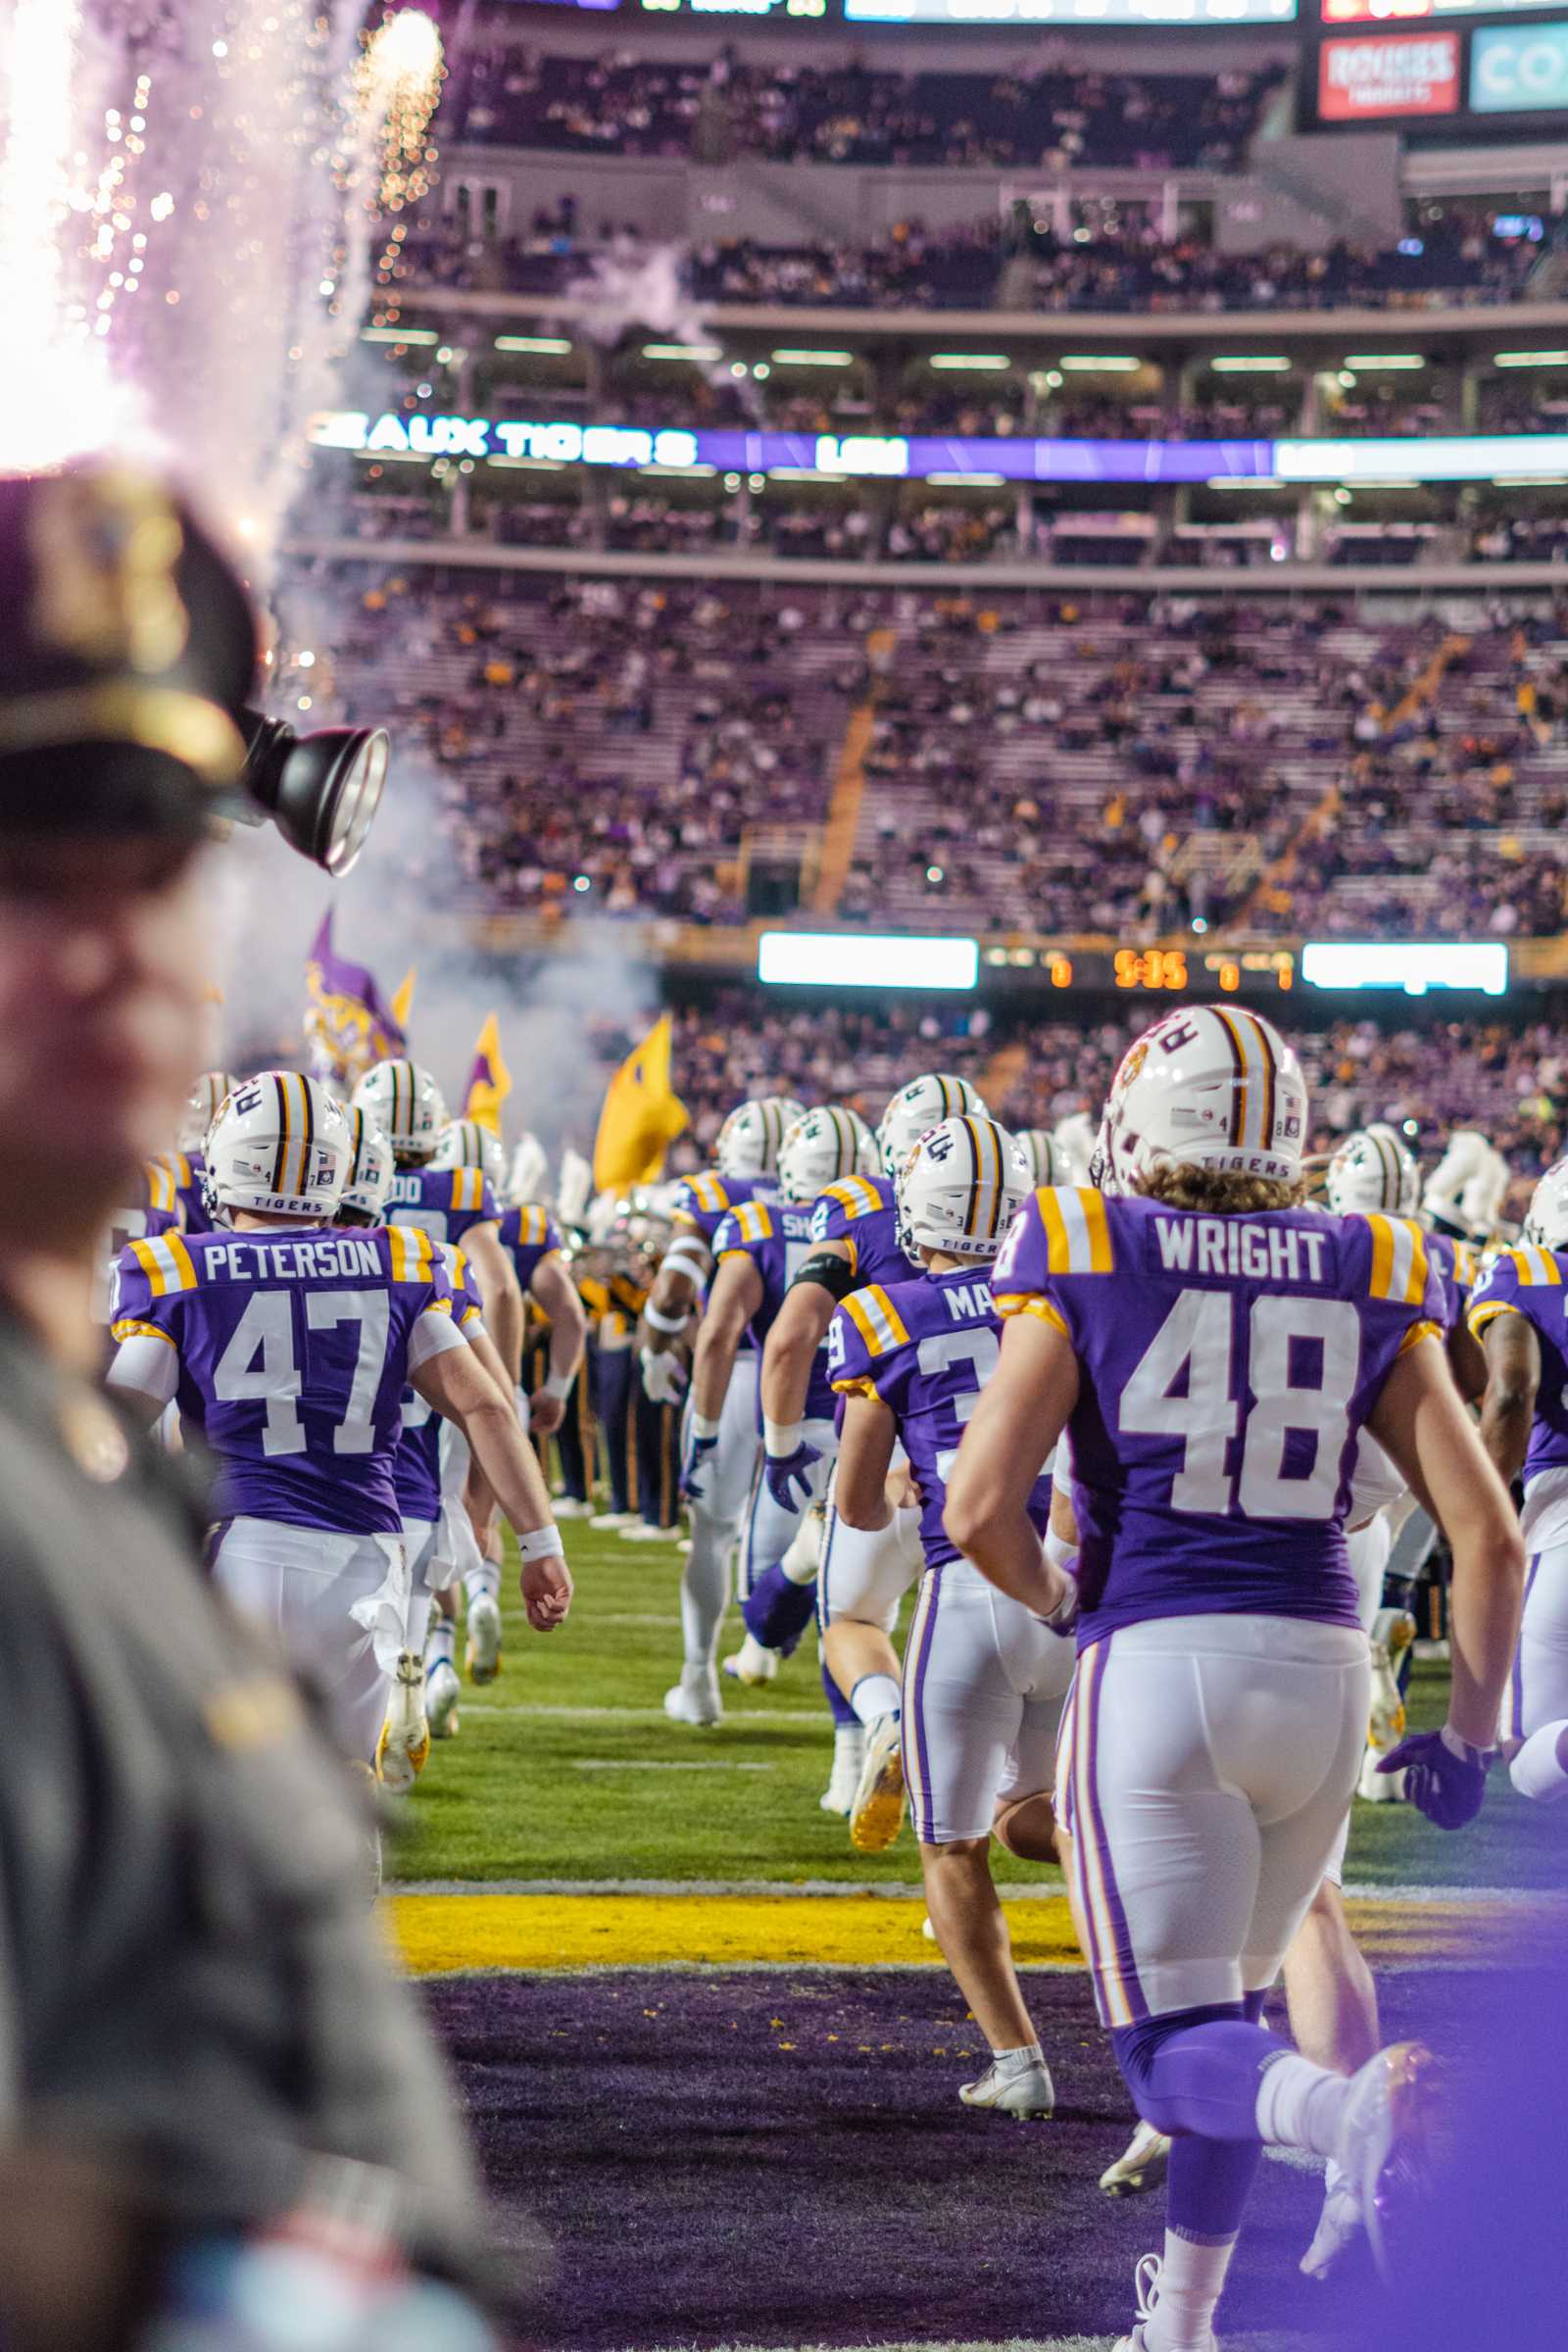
point(566, 1769)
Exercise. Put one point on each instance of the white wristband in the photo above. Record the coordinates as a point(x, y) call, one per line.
point(1062, 1555)
point(542, 1543)
point(782, 1437)
point(705, 1426)
point(669, 1325)
point(558, 1384)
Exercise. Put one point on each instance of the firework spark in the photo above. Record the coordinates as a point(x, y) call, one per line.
point(397, 90)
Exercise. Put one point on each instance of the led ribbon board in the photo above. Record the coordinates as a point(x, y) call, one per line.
point(1415, 966)
point(865, 959)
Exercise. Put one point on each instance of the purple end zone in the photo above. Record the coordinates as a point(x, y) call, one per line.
point(782, 2159)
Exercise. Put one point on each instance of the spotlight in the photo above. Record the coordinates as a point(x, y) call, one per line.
point(321, 791)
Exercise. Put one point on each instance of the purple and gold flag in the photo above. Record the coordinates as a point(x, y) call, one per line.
point(347, 1026)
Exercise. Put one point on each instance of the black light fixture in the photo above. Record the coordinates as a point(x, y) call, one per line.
point(321, 791)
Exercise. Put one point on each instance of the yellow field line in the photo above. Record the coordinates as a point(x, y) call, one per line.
point(439, 1935)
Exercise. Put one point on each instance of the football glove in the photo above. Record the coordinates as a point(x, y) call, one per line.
point(1443, 1775)
point(694, 1462)
point(663, 1376)
point(782, 1471)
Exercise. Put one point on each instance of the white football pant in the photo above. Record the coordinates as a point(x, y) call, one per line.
point(770, 1529)
point(1537, 1693)
point(984, 1687)
point(1205, 1772)
point(715, 1521)
point(336, 1604)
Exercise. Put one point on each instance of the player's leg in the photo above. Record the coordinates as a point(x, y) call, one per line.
point(654, 1496)
point(336, 1605)
point(575, 1442)
point(478, 1570)
point(443, 1691)
point(727, 1480)
point(1538, 1701)
point(862, 1581)
point(780, 1553)
point(1333, 2005)
point(405, 1742)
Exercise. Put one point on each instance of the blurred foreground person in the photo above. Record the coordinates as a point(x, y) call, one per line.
point(214, 2094)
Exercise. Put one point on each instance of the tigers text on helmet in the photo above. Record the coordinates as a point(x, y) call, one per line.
point(959, 1188)
point(822, 1149)
point(1465, 1190)
point(1546, 1221)
point(405, 1102)
point(748, 1141)
point(1207, 1087)
point(466, 1144)
point(369, 1177)
point(1373, 1170)
point(281, 1146)
point(202, 1108)
point(922, 1105)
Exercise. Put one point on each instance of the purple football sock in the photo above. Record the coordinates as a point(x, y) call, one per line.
point(839, 1707)
point(777, 1612)
point(1208, 2185)
point(1197, 2070)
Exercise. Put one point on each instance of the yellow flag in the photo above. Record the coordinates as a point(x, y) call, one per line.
point(403, 1002)
point(489, 1080)
point(641, 1118)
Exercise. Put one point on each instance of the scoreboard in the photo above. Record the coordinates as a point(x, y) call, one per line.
point(1259, 975)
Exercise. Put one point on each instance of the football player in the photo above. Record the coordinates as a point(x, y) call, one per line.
point(745, 1168)
point(984, 1681)
point(757, 1250)
point(185, 1166)
point(1517, 1314)
point(1217, 1350)
point(451, 1203)
point(854, 1232)
point(289, 1343)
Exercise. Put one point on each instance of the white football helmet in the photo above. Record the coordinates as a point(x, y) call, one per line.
point(279, 1146)
point(1040, 1156)
point(748, 1141)
point(916, 1108)
point(466, 1144)
point(405, 1102)
point(529, 1181)
point(1208, 1089)
point(1546, 1221)
point(1373, 1170)
point(822, 1149)
point(1076, 1138)
point(1465, 1190)
point(369, 1177)
point(202, 1106)
point(959, 1188)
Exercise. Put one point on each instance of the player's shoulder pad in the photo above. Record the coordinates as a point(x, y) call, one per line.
point(1074, 1223)
point(168, 1261)
point(854, 1196)
point(1398, 1256)
point(875, 1317)
point(708, 1194)
point(745, 1225)
point(410, 1252)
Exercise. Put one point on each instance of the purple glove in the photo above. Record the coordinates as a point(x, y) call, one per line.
point(1444, 1776)
point(698, 1450)
point(781, 1470)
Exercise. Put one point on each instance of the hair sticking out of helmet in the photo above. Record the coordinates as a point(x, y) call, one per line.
point(369, 1178)
point(751, 1138)
point(405, 1102)
point(1373, 1171)
point(202, 1108)
point(1210, 1089)
point(959, 1189)
point(822, 1149)
point(466, 1144)
point(1546, 1221)
point(917, 1107)
point(281, 1146)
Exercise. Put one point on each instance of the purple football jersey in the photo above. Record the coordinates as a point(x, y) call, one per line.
point(926, 1347)
point(1459, 1268)
point(292, 1354)
point(417, 1471)
point(1529, 1281)
point(183, 1171)
point(1227, 1366)
point(776, 1238)
point(703, 1202)
point(528, 1234)
point(861, 1216)
point(444, 1203)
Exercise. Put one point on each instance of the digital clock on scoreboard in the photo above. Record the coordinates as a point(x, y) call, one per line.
point(1155, 971)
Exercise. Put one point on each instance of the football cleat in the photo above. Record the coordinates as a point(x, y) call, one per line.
point(482, 1656)
point(1140, 2167)
point(442, 1691)
point(572, 1506)
point(1383, 2136)
point(1026, 2095)
point(1392, 1632)
point(928, 1929)
point(405, 1741)
point(1147, 2276)
point(643, 1532)
point(613, 1519)
point(1379, 1788)
point(751, 1663)
point(1338, 2226)
point(848, 1756)
point(876, 1812)
point(695, 1699)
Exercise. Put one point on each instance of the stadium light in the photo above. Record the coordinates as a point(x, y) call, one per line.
point(1530, 359)
point(1093, 362)
point(1246, 363)
point(1530, 481)
point(1243, 481)
point(557, 344)
point(791, 358)
point(1415, 966)
point(967, 482)
point(399, 334)
point(699, 353)
point(970, 359)
point(865, 959)
point(1385, 359)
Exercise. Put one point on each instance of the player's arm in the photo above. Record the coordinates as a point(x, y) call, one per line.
point(556, 1293)
point(456, 1384)
point(498, 1288)
point(799, 1328)
point(1023, 1409)
point(478, 1498)
point(143, 1375)
point(865, 1451)
point(1513, 1381)
point(733, 1301)
point(1467, 1362)
point(1421, 1420)
point(683, 1275)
